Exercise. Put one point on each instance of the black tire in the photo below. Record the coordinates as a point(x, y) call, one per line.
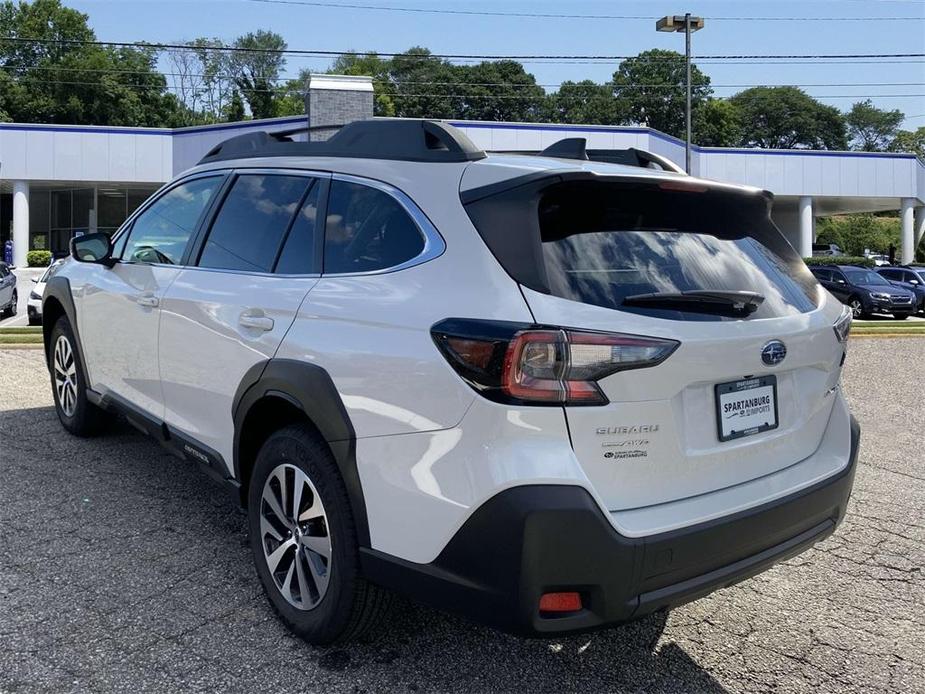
point(348, 606)
point(857, 308)
point(14, 304)
point(78, 415)
point(900, 316)
point(35, 320)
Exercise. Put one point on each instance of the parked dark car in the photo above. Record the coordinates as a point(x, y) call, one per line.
point(865, 291)
point(8, 297)
point(909, 278)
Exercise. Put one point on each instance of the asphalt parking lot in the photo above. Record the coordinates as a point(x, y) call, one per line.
point(122, 568)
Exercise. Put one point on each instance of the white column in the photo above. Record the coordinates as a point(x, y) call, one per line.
point(906, 219)
point(20, 222)
point(806, 226)
point(919, 230)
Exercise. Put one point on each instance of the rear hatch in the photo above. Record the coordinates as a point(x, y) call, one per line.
point(749, 389)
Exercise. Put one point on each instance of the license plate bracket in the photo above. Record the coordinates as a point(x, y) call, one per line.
point(746, 407)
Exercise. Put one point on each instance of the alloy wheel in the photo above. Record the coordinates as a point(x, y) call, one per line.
point(856, 308)
point(15, 305)
point(65, 376)
point(294, 536)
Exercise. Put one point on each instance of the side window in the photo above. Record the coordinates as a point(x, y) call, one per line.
point(367, 229)
point(822, 275)
point(298, 254)
point(250, 226)
point(839, 277)
point(889, 274)
point(161, 232)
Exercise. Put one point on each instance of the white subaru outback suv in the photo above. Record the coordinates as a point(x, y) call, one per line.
point(550, 392)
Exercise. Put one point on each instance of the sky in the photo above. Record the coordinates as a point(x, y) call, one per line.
point(733, 27)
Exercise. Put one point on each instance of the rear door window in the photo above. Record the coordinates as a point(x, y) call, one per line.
point(252, 223)
point(298, 254)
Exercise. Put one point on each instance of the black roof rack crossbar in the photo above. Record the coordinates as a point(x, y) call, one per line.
point(401, 139)
point(576, 148)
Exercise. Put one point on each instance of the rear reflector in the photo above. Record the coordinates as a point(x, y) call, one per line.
point(560, 602)
point(517, 363)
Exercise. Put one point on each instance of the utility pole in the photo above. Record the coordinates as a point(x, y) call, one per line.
point(688, 25)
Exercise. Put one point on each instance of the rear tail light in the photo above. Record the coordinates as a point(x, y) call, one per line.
point(517, 363)
point(842, 326)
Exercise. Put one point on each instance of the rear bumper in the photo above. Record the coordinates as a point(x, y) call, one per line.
point(530, 540)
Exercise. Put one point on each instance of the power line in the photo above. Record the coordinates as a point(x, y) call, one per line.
point(550, 15)
point(522, 85)
point(329, 53)
point(169, 87)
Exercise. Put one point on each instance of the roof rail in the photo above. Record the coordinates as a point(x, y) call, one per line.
point(576, 148)
point(401, 139)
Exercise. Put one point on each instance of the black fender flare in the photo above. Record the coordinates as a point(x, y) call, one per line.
point(59, 288)
point(310, 389)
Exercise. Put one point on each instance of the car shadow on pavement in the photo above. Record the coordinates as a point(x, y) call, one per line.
point(145, 577)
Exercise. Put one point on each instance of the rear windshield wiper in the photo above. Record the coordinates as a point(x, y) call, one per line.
point(712, 301)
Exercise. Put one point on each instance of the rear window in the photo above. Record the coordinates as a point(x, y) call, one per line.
point(601, 243)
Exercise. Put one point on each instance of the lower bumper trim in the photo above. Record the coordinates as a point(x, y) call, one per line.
point(527, 541)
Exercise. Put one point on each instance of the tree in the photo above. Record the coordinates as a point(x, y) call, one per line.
point(856, 233)
point(717, 123)
point(370, 65)
point(256, 66)
point(584, 102)
point(425, 86)
point(788, 118)
point(652, 88)
point(234, 110)
point(910, 141)
point(498, 91)
point(60, 78)
point(872, 129)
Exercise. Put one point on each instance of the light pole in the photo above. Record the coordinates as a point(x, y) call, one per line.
point(687, 24)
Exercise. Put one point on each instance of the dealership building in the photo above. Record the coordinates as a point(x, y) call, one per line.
point(59, 180)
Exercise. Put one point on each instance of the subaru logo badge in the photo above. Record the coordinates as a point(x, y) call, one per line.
point(773, 353)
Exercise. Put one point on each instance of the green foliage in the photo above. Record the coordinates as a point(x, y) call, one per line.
point(788, 118)
point(38, 258)
point(64, 82)
point(859, 232)
point(652, 89)
point(257, 68)
point(369, 65)
point(583, 102)
point(860, 261)
point(716, 124)
point(910, 141)
point(872, 129)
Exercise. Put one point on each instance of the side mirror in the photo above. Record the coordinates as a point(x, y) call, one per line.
point(92, 248)
point(841, 282)
point(35, 280)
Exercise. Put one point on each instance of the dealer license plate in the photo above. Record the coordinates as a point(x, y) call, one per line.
point(746, 407)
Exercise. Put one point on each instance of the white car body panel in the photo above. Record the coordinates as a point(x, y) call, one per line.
point(118, 334)
point(683, 456)
point(205, 351)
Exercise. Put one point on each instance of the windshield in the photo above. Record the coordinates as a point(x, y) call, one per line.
point(865, 277)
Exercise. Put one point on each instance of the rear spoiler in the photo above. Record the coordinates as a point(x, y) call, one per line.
point(552, 176)
point(577, 148)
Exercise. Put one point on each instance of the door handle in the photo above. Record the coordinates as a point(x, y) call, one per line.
point(148, 300)
point(257, 321)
